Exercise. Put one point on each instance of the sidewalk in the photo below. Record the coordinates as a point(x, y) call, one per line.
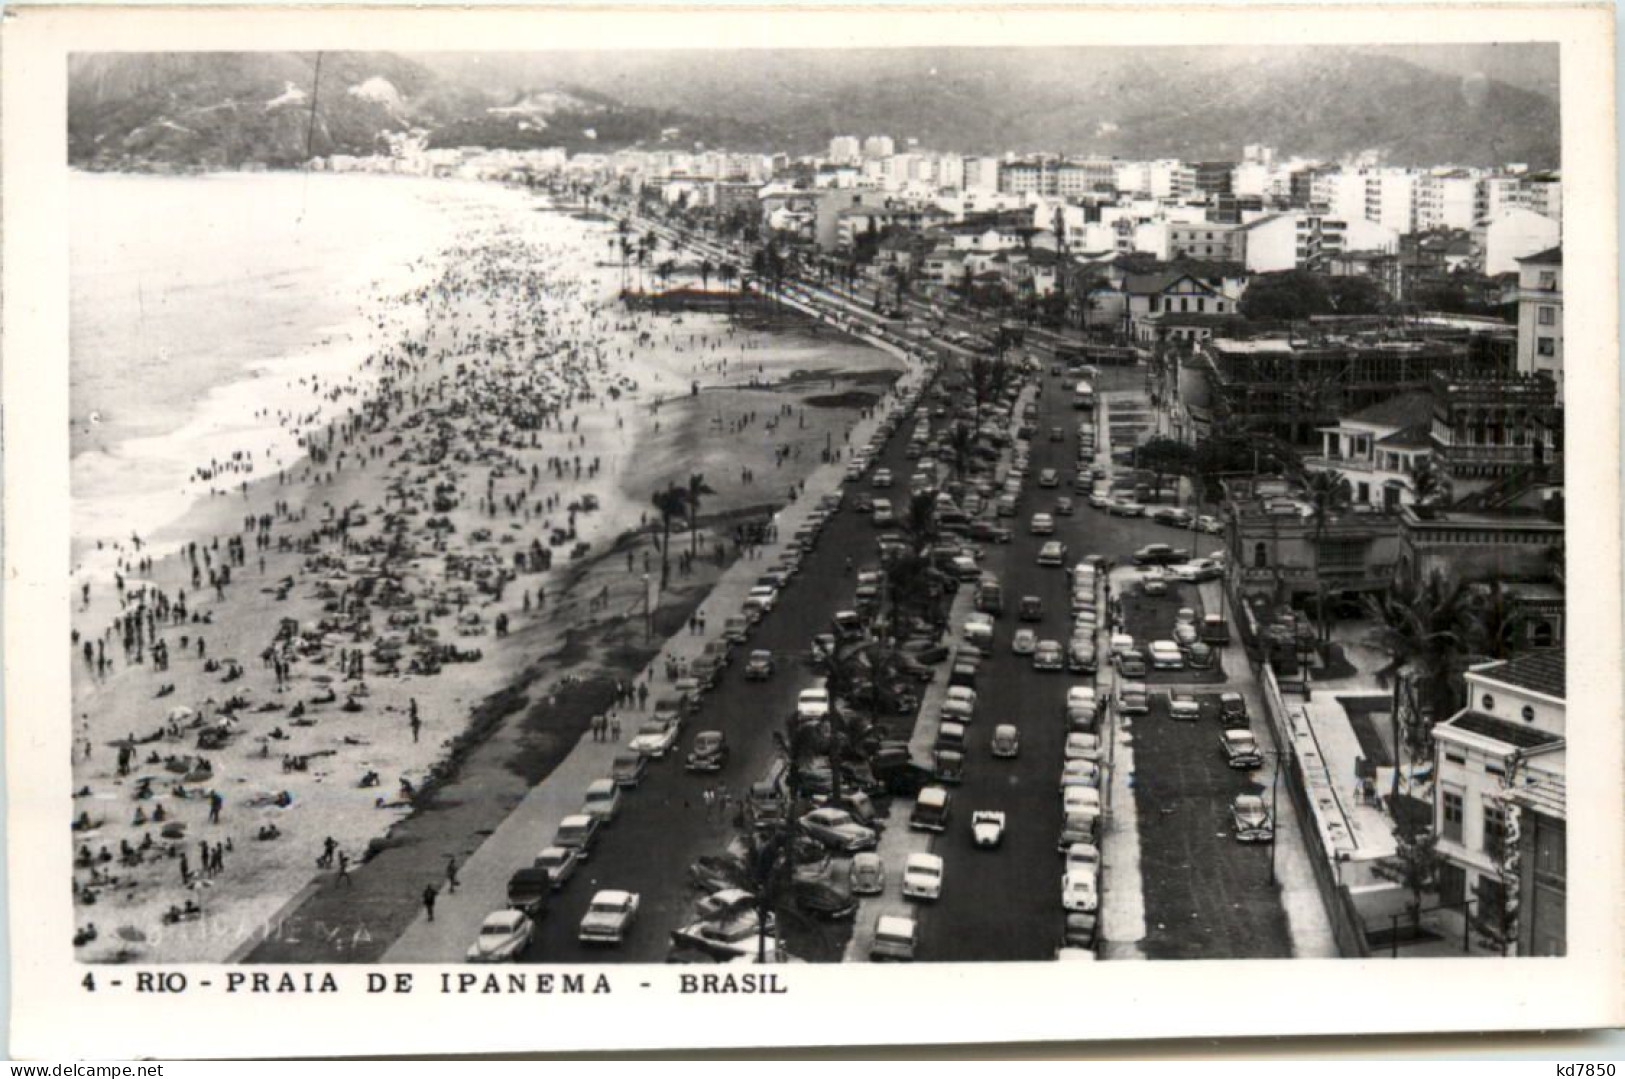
point(1307, 920)
point(532, 823)
point(1122, 909)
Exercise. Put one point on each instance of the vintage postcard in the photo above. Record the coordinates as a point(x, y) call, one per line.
point(552, 528)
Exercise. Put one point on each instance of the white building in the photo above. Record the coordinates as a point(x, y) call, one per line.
point(1377, 448)
point(1511, 235)
point(844, 150)
point(981, 174)
point(1446, 201)
point(1508, 740)
point(1540, 315)
point(878, 146)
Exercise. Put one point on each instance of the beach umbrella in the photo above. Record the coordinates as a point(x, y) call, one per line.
point(130, 933)
point(181, 713)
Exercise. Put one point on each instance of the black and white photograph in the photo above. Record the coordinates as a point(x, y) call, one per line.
point(742, 510)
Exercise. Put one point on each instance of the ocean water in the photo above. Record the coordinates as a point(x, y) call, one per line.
point(196, 301)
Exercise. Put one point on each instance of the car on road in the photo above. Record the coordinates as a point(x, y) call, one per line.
point(1080, 772)
point(1120, 643)
point(559, 863)
point(1123, 507)
point(1057, 435)
point(1052, 553)
point(759, 665)
point(868, 873)
point(1197, 571)
point(965, 694)
point(812, 703)
point(881, 478)
point(608, 917)
point(656, 737)
point(931, 810)
point(1154, 584)
point(1083, 858)
point(1250, 819)
point(1082, 746)
point(503, 937)
point(1078, 827)
point(709, 753)
point(579, 832)
point(895, 938)
point(1080, 656)
point(1172, 516)
point(1076, 799)
point(836, 829)
point(1049, 477)
point(603, 800)
point(1132, 699)
point(922, 877)
point(1185, 635)
point(1079, 892)
point(1184, 707)
point(1160, 554)
point(1082, 697)
point(989, 598)
point(628, 768)
point(1166, 656)
point(1006, 741)
point(1211, 525)
point(1240, 749)
point(864, 503)
point(1080, 934)
point(763, 597)
point(1131, 664)
point(987, 828)
point(1199, 656)
point(1048, 656)
point(1031, 609)
point(1099, 500)
point(882, 513)
point(1005, 506)
point(1233, 710)
point(1024, 642)
point(958, 709)
point(1063, 507)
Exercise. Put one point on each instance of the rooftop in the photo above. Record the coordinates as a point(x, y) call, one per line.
point(1552, 256)
point(1515, 735)
point(1415, 437)
point(1414, 409)
point(1547, 795)
point(1542, 672)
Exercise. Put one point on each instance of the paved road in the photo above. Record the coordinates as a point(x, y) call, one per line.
point(663, 826)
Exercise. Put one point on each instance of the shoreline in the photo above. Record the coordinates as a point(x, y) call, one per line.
point(339, 567)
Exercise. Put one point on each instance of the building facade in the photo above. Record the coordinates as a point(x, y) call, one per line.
point(1540, 315)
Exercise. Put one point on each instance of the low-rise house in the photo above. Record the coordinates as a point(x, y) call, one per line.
point(1498, 805)
point(1379, 448)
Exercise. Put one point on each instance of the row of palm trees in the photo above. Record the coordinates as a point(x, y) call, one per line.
point(676, 503)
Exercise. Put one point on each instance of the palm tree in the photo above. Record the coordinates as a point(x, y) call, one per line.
point(672, 504)
point(961, 443)
point(1329, 495)
point(697, 489)
point(1494, 623)
point(706, 269)
point(1419, 629)
point(728, 273)
point(1430, 484)
point(664, 272)
point(765, 873)
point(919, 521)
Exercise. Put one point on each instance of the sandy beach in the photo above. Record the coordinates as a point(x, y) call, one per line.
point(274, 689)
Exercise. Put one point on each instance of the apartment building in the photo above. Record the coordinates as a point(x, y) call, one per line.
point(1540, 315)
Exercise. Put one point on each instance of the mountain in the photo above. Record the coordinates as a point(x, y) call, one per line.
point(225, 110)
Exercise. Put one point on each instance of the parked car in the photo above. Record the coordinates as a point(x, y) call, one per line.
point(603, 800)
point(1084, 746)
point(1199, 656)
point(1080, 892)
point(1080, 656)
point(1154, 585)
point(1197, 571)
point(1048, 656)
point(1080, 772)
point(868, 873)
point(1160, 554)
point(836, 829)
point(1233, 710)
point(1006, 741)
point(1024, 642)
point(1063, 507)
point(1031, 609)
point(503, 937)
point(1184, 707)
point(1131, 664)
point(987, 828)
point(922, 877)
point(559, 863)
point(1078, 827)
point(628, 767)
point(656, 737)
point(1240, 749)
point(608, 917)
point(1083, 858)
point(1166, 656)
point(894, 939)
point(1132, 699)
point(579, 832)
point(1123, 507)
point(1172, 516)
point(1052, 553)
point(1250, 819)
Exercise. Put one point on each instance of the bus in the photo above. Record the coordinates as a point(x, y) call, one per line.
point(1083, 396)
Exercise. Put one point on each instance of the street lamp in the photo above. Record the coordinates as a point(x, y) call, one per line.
point(1275, 819)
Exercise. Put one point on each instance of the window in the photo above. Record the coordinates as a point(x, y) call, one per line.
point(1488, 703)
point(1548, 279)
point(1548, 316)
point(1452, 811)
point(1455, 758)
point(1528, 713)
point(1261, 558)
point(1546, 346)
point(1495, 830)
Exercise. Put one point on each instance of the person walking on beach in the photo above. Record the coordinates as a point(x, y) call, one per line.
point(215, 802)
point(330, 847)
point(451, 872)
point(429, 896)
point(643, 695)
point(416, 723)
point(614, 728)
point(344, 871)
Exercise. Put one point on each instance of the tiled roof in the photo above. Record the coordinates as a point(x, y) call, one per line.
point(1409, 438)
point(1552, 256)
point(1512, 734)
point(1542, 672)
point(1403, 410)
